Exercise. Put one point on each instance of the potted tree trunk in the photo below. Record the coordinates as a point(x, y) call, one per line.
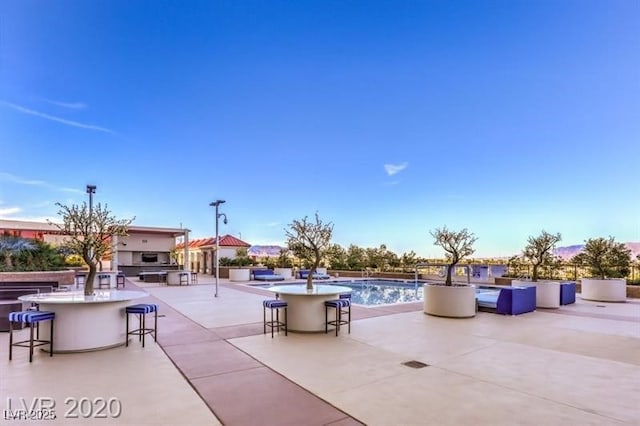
point(609, 263)
point(449, 299)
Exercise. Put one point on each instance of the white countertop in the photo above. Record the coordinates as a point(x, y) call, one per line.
point(78, 297)
point(318, 289)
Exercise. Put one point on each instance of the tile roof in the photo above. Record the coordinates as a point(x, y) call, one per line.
point(225, 241)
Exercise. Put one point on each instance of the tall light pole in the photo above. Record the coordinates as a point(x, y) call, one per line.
point(216, 204)
point(91, 189)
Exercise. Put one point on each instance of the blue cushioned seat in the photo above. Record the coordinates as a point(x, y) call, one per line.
point(142, 309)
point(274, 304)
point(31, 318)
point(345, 296)
point(342, 306)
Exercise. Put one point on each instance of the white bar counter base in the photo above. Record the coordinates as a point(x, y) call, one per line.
point(305, 311)
point(86, 323)
point(173, 277)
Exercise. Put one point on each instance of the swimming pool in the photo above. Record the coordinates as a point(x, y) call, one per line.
point(378, 292)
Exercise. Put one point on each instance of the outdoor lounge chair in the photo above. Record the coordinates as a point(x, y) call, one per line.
point(304, 273)
point(508, 300)
point(567, 293)
point(266, 275)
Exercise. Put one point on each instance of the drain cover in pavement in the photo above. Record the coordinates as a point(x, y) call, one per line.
point(415, 364)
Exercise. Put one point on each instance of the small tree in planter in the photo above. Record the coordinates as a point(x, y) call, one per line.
point(456, 244)
point(449, 300)
point(89, 234)
point(539, 251)
point(609, 262)
point(309, 241)
point(605, 258)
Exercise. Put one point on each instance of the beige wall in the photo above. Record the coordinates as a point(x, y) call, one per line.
point(147, 242)
point(229, 252)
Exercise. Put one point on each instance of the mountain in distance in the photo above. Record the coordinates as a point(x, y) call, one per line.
point(264, 251)
point(568, 252)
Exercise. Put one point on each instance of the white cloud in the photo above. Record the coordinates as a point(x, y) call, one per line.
point(392, 169)
point(70, 105)
point(57, 119)
point(9, 211)
point(8, 177)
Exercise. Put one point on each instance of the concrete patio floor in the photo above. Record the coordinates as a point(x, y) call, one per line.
point(578, 365)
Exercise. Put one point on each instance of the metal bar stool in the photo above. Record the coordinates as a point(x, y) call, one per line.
point(277, 324)
point(30, 318)
point(141, 310)
point(194, 278)
point(104, 280)
point(184, 278)
point(120, 280)
point(342, 306)
point(80, 279)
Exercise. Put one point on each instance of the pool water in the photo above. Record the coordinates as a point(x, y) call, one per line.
point(383, 292)
point(374, 292)
point(378, 292)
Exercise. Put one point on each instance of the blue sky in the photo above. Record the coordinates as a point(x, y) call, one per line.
point(389, 118)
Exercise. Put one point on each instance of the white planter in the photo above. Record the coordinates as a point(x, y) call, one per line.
point(450, 301)
point(547, 294)
point(608, 290)
point(287, 273)
point(321, 270)
point(241, 274)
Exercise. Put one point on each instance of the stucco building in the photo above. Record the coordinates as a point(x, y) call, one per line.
point(201, 252)
point(144, 248)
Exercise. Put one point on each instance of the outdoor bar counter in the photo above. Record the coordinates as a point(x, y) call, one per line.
point(86, 323)
point(305, 311)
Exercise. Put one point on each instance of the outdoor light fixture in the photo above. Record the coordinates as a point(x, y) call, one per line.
point(216, 204)
point(91, 189)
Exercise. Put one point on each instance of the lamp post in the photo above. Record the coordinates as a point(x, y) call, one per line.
point(91, 189)
point(216, 204)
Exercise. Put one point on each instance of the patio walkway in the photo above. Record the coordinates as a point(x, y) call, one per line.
point(576, 365)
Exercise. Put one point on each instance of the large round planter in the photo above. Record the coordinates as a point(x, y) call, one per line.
point(547, 294)
point(287, 273)
point(608, 290)
point(241, 274)
point(457, 301)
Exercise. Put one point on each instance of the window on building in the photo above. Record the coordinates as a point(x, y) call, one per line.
point(150, 257)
